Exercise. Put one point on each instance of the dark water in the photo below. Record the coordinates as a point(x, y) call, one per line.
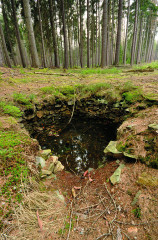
point(80, 145)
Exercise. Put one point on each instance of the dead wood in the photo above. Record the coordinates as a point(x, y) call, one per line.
point(60, 74)
point(141, 70)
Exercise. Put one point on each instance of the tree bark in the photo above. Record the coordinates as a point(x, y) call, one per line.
point(31, 36)
point(104, 34)
point(42, 37)
point(141, 24)
point(108, 34)
point(99, 33)
point(118, 41)
point(22, 55)
point(125, 48)
point(55, 48)
point(70, 46)
point(1, 55)
point(133, 49)
point(8, 61)
point(81, 32)
point(5, 18)
point(66, 55)
point(88, 42)
point(96, 51)
point(112, 32)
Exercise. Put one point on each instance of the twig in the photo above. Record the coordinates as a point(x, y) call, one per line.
point(123, 232)
point(112, 201)
point(137, 224)
point(105, 234)
point(71, 209)
point(69, 167)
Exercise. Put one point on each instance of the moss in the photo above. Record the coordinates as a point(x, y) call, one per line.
point(10, 109)
point(23, 99)
point(122, 147)
point(132, 96)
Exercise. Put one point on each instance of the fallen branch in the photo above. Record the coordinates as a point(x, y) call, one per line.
point(104, 235)
point(141, 70)
point(60, 74)
point(71, 209)
point(113, 202)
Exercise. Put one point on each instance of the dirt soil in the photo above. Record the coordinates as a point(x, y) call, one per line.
point(26, 81)
point(94, 209)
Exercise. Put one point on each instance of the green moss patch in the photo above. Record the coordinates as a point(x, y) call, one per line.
point(10, 109)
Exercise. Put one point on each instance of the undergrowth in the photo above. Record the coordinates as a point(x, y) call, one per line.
point(23, 99)
point(12, 168)
point(87, 71)
point(153, 65)
point(10, 109)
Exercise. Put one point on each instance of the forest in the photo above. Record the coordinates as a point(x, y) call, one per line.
point(78, 119)
point(77, 33)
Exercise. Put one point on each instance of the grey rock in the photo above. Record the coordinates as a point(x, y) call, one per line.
point(112, 150)
point(58, 167)
point(60, 196)
point(51, 167)
point(129, 155)
point(46, 172)
point(45, 153)
point(115, 178)
point(40, 161)
point(153, 126)
point(136, 198)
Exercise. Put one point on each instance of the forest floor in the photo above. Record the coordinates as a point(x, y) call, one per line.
point(94, 209)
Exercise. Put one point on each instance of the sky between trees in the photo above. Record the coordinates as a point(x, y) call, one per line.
point(73, 33)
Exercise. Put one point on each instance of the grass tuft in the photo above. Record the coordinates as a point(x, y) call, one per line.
point(23, 99)
point(10, 109)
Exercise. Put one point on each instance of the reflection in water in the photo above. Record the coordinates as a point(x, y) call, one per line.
point(80, 145)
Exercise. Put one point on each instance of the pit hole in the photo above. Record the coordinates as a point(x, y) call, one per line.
point(80, 145)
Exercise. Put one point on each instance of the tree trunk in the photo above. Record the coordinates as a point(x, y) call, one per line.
point(134, 35)
point(81, 33)
point(5, 18)
point(22, 55)
point(66, 55)
point(147, 38)
point(99, 34)
point(118, 41)
point(96, 51)
point(112, 32)
point(104, 34)
point(55, 48)
point(70, 46)
point(140, 39)
point(42, 37)
point(125, 48)
point(1, 55)
point(108, 34)
point(88, 42)
point(8, 61)
point(92, 34)
point(31, 36)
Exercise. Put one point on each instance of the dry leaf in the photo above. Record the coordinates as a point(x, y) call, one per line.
point(85, 173)
point(77, 188)
point(39, 222)
point(73, 192)
point(90, 179)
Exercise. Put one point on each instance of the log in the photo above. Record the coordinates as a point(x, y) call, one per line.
point(60, 74)
point(141, 70)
